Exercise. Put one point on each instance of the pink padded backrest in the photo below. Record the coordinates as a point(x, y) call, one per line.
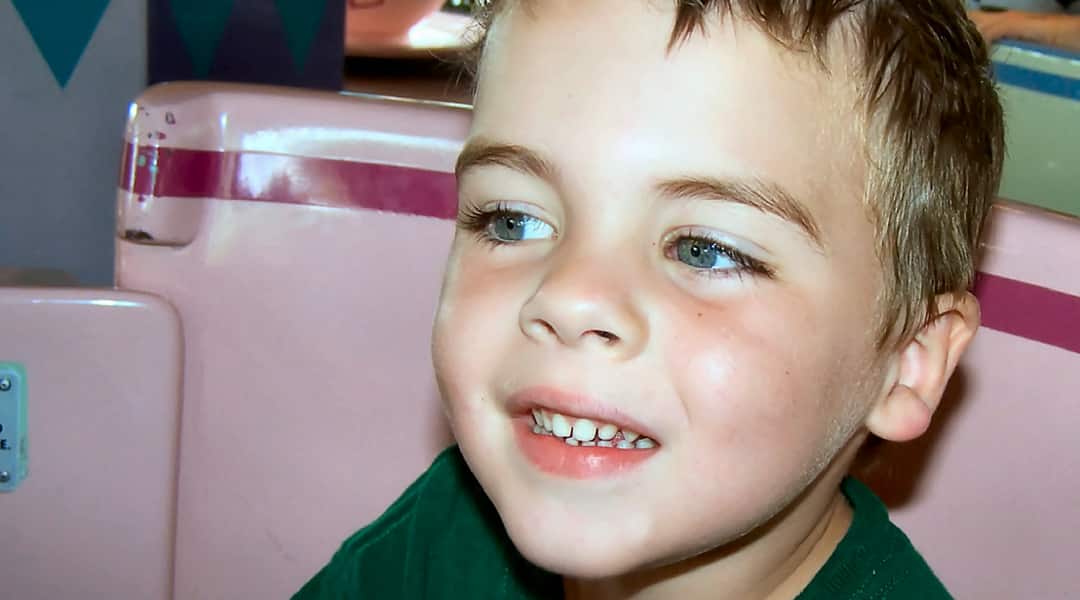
point(94, 517)
point(302, 237)
point(991, 495)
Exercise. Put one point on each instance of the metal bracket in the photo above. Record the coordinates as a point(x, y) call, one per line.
point(13, 430)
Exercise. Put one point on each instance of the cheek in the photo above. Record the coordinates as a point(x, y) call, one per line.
point(755, 382)
point(477, 313)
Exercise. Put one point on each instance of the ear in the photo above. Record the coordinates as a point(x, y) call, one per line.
point(920, 369)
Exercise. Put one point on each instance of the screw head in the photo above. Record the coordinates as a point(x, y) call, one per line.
point(5, 384)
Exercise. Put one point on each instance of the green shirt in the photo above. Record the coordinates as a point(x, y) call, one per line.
point(443, 539)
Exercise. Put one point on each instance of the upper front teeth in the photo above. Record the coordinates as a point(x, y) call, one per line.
point(560, 426)
point(586, 432)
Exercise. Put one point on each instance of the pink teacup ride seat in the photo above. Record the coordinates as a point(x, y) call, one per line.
point(991, 495)
point(301, 236)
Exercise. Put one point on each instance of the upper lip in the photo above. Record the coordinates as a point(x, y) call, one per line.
point(574, 405)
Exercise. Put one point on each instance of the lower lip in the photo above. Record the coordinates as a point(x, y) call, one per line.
point(552, 455)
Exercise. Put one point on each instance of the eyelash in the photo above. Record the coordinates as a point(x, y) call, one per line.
point(476, 221)
point(744, 263)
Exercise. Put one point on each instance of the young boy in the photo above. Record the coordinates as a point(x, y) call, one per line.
point(705, 249)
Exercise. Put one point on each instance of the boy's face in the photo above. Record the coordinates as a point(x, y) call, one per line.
point(640, 285)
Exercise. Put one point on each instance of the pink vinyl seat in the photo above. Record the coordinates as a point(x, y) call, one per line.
point(990, 495)
point(94, 517)
point(301, 236)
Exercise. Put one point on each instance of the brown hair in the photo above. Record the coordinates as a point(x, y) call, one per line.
point(933, 122)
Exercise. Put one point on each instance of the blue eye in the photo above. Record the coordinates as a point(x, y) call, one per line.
point(711, 257)
point(503, 225)
point(517, 227)
point(702, 254)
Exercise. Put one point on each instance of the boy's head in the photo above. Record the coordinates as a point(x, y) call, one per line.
point(744, 229)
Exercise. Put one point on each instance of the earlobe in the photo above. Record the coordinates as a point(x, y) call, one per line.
point(901, 416)
point(923, 367)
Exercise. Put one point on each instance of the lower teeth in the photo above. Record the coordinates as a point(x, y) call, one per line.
point(641, 443)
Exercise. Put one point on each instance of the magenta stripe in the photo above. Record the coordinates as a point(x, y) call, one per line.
point(176, 172)
point(1011, 306)
point(1029, 311)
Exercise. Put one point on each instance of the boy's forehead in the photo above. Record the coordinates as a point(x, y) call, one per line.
point(582, 80)
point(648, 26)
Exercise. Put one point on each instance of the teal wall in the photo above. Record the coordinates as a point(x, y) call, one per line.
point(1040, 91)
point(69, 69)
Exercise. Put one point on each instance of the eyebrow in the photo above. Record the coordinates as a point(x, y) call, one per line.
point(479, 152)
point(767, 197)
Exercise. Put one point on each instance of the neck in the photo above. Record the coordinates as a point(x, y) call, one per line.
point(774, 562)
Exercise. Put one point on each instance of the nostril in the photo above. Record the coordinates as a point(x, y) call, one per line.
point(607, 336)
point(541, 326)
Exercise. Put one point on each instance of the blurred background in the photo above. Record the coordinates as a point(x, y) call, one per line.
point(68, 83)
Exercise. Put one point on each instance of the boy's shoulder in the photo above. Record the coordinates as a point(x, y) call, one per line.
point(875, 559)
point(442, 538)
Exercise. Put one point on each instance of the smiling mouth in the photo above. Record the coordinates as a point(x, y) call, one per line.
point(570, 458)
point(573, 436)
point(366, 3)
point(577, 431)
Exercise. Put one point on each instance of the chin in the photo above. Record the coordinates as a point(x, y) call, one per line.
point(599, 557)
point(583, 540)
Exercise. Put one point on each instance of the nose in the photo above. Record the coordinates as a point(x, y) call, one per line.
point(581, 305)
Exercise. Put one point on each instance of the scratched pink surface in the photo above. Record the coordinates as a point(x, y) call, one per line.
point(989, 495)
point(310, 402)
point(94, 518)
point(309, 399)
